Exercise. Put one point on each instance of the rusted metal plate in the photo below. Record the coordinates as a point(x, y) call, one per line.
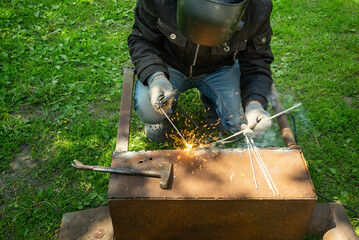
point(214, 174)
point(94, 223)
point(212, 196)
point(210, 219)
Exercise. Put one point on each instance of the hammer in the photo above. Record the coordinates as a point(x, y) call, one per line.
point(164, 173)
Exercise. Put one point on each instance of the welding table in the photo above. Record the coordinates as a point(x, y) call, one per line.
point(212, 194)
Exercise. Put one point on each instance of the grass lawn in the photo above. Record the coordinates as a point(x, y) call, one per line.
point(61, 79)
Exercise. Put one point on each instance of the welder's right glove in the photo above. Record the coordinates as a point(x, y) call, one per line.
point(256, 120)
point(159, 88)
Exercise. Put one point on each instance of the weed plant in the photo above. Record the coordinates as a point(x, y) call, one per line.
point(61, 80)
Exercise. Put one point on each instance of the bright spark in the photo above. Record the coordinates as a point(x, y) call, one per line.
point(189, 147)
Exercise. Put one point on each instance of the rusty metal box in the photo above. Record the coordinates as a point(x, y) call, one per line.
point(212, 196)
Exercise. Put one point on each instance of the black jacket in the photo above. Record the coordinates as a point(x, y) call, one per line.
point(155, 40)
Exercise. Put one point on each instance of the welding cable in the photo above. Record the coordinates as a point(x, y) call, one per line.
point(294, 127)
point(330, 200)
point(320, 195)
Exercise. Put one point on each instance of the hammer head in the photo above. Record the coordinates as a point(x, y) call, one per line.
point(166, 172)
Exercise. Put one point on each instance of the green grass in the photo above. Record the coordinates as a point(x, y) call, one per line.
point(61, 79)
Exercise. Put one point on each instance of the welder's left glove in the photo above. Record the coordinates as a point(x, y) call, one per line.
point(256, 120)
point(159, 88)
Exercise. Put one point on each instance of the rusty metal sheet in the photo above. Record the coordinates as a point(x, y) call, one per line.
point(212, 196)
point(210, 219)
point(214, 174)
point(94, 223)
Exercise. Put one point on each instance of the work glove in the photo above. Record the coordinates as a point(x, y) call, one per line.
point(256, 120)
point(159, 88)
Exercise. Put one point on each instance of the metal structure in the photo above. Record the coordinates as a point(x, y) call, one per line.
point(211, 194)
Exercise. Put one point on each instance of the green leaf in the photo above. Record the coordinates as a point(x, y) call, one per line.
point(37, 28)
point(333, 170)
point(55, 107)
point(93, 195)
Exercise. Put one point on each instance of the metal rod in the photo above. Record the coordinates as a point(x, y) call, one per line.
point(173, 126)
point(262, 169)
point(224, 139)
point(274, 116)
point(285, 111)
point(250, 158)
point(265, 167)
point(195, 56)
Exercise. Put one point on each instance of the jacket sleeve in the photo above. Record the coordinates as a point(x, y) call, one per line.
point(256, 76)
point(145, 42)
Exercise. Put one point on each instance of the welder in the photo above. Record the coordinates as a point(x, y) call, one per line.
point(220, 47)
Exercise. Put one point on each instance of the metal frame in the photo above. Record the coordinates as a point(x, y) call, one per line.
point(123, 132)
point(328, 219)
point(282, 120)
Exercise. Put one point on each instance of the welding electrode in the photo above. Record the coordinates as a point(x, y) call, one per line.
point(160, 103)
point(240, 132)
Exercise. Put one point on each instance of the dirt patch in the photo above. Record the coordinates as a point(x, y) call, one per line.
point(17, 175)
point(351, 102)
point(348, 101)
point(98, 112)
point(22, 160)
point(26, 112)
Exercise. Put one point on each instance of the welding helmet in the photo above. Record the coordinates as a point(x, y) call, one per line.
point(209, 22)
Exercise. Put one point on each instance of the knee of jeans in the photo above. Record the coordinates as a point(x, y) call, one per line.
point(148, 114)
point(143, 107)
point(233, 123)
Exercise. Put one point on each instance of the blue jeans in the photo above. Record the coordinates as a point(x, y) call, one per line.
point(220, 93)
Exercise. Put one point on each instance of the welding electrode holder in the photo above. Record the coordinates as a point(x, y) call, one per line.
point(163, 100)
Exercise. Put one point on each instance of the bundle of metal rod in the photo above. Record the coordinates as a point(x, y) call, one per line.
point(252, 147)
point(250, 159)
point(241, 132)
